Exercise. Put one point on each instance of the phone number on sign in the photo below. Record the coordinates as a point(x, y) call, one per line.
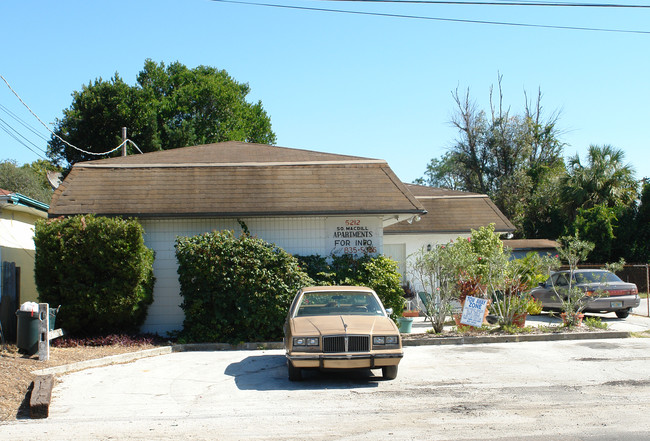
point(356, 250)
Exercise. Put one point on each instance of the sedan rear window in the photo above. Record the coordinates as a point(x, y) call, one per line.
point(338, 303)
point(596, 277)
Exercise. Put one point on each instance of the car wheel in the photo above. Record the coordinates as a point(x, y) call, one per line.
point(295, 373)
point(622, 313)
point(389, 372)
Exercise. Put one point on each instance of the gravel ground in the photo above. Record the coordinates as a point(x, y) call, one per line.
point(17, 368)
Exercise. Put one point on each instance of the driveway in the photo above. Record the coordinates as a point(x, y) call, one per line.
point(595, 389)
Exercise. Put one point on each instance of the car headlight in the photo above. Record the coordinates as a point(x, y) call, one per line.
point(385, 340)
point(392, 340)
point(305, 341)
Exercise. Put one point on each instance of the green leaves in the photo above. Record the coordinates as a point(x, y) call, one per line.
point(97, 269)
point(171, 106)
point(235, 288)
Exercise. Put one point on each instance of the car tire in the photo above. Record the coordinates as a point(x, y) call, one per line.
point(295, 373)
point(622, 313)
point(389, 372)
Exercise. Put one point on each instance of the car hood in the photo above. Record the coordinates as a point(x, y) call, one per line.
point(336, 324)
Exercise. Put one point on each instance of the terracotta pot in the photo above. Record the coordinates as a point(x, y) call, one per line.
point(411, 314)
point(519, 320)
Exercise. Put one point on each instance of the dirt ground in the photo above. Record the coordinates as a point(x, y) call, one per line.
point(17, 368)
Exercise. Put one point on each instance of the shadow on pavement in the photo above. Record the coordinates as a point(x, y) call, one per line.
point(269, 372)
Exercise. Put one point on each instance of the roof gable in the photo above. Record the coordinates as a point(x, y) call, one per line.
point(233, 179)
point(451, 211)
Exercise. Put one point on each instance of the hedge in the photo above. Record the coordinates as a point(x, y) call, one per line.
point(98, 269)
point(235, 288)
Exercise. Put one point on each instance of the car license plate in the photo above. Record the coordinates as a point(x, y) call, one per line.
point(616, 304)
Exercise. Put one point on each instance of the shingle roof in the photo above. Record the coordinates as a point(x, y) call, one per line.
point(451, 211)
point(233, 179)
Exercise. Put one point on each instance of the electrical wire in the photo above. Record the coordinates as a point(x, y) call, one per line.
point(22, 122)
point(54, 134)
point(420, 17)
point(8, 130)
point(503, 3)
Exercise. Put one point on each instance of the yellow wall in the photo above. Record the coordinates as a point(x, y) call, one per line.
point(25, 260)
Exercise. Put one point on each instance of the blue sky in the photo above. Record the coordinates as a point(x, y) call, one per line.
point(369, 86)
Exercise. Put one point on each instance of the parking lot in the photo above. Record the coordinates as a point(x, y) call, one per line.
point(596, 389)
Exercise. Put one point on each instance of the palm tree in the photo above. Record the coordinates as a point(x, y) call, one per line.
point(605, 180)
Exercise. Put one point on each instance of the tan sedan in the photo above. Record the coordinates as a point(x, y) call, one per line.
point(340, 327)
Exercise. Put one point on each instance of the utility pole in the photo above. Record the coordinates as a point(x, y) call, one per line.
point(124, 141)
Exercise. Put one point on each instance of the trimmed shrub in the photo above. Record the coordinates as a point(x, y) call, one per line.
point(235, 289)
point(97, 269)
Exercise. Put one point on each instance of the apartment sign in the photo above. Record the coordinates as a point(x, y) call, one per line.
point(354, 235)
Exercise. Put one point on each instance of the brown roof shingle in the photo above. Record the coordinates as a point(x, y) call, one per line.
point(233, 179)
point(451, 211)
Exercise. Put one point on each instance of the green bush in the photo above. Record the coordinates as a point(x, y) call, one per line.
point(97, 269)
point(235, 289)
point(377, 272)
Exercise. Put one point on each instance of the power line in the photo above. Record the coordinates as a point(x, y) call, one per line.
point(6, 128)
point(57, 136)
point(22, 122)
point(420, 17)
point(503, 3)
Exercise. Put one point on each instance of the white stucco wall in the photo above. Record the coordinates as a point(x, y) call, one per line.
point(303, 236)
point(413, 243)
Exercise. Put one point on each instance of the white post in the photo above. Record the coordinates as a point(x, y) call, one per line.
point(43, 332)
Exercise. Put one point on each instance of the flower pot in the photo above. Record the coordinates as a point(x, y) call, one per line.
point(519, 320)
point(577, 321)
point(411, 314)
point(404, 324)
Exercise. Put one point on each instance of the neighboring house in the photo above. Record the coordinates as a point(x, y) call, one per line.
point(450, 214)
point(521, 247)
point(18, 214)
point(304, 201)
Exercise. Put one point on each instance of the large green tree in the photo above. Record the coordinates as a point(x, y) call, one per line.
point(169, 107)
point(599, 200)
point(605, 179)
point(515, 159)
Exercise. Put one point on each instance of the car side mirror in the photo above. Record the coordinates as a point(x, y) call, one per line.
point(389, 311)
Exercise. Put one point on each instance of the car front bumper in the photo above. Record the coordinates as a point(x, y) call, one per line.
point(344, 361)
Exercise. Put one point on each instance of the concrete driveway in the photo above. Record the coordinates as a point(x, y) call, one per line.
point(594, 390)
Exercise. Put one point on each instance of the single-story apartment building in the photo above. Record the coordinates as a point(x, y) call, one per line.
point(304, 201)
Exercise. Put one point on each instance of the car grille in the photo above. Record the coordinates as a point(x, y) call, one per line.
point(356, 343)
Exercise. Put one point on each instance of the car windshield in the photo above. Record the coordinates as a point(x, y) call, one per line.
point(338, 303)
point(596, 277)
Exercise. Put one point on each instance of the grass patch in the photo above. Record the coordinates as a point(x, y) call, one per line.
point(595, 323)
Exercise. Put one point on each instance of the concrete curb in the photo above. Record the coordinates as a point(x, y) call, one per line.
point(482, 339)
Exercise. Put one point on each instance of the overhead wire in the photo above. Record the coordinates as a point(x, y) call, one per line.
point(22, 122)
point(504, 3)
point(443, 19)
point(6, 128)
point(57, 136)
